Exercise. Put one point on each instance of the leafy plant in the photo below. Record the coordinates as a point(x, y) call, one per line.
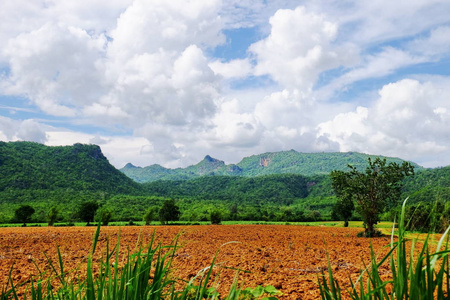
point(425, 276)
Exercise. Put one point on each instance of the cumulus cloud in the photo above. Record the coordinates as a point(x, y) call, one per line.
point(26, 130)
point(149, 68)
point(299, 47)
point(234, 128)
point(55, 67)
point(408, 120)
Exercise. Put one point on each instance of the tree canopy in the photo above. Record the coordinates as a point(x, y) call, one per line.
point(374, 190)
point(23, 214)
point(87, 211)
point(169, 212)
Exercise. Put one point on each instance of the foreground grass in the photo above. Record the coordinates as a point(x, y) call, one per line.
point(423, 276)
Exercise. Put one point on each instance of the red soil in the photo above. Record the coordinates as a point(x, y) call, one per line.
point(287, 257)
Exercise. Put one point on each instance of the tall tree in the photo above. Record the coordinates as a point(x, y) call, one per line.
point(23, 214)
point(374, 190)
point(169, 212)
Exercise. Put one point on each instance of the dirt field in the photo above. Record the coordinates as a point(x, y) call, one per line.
point(287, 257)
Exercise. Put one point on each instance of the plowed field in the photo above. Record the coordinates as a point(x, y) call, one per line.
point(287, 257)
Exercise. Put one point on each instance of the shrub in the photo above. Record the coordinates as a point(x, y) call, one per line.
point(216, 217)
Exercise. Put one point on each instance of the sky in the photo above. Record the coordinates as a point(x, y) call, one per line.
point(169, 82)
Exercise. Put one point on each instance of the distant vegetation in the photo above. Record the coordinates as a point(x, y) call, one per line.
point(285, 162)
point(56, 181)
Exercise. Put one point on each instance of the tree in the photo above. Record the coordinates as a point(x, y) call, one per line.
point(343, 209)
point(374, 190)
point(216, 217)
point(169, 212)
point(23, 214)
point(52, 215)
point(104, 215)
point(87, 210)
point(150, 215)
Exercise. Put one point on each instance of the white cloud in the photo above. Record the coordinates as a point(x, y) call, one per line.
point(375, 65)
point(408, 120)
point(149, 25)
point(55, 67)
point(299, 47)
point(26, 130)
point(233, 128)
point(236, 68)
point(437, 43)
point(150, 67)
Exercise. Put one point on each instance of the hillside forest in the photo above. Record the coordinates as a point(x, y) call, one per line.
point(282, 186)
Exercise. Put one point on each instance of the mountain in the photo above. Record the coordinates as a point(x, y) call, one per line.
point(33, 166)
point(284, 162)
point(208, 166)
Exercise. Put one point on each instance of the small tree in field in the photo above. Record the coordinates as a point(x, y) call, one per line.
point(23, 214)
point(52, 215)
point(343, 209)
point(87, 211)
point(104, 215)
point(373, 190)
point(150, 215)
point(169, 212)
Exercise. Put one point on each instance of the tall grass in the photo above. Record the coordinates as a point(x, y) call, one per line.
point(420, 276)
point(145, 273)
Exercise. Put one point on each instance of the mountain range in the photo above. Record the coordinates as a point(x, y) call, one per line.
point(259, 186)
point(283, 162)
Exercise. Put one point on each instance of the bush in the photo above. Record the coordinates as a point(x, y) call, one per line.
point(216, 217)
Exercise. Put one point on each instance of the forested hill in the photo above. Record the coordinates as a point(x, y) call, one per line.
point(33, 166)
point(284, 162)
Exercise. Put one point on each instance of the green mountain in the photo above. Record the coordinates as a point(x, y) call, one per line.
point(283, 186)
point(33, 166)
point(285, 162)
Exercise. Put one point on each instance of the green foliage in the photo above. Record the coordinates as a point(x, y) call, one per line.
point(378, 188)
point(87, 210)
point(150, 215)
point(23, 214)
point(428, 217)
point(169, 212)
point(104, 215)
point(280, 188)
point(216, 217)
point(343, 209)
point(33, 166)
point(415, 274)
point(52, 215)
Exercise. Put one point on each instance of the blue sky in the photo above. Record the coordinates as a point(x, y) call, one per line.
point(169, 82)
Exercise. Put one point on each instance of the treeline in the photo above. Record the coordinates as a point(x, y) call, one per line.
point(267, 198)
point(280, 189)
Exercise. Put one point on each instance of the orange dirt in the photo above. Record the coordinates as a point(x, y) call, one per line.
point(287, 257)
